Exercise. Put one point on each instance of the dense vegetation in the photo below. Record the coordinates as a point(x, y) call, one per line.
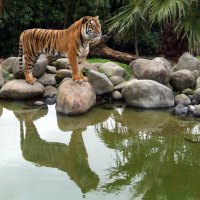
point(145, 27)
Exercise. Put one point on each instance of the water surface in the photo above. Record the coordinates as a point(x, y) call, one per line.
point(123, 153)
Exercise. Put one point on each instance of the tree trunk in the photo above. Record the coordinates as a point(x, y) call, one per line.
point(171, 46)
point(98, 48)
point(136, 47)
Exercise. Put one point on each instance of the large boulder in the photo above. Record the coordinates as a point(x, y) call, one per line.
point(1, 77)
point(8, 63)
point(187, 61)
point(158, 69)
point(112, 69)
point(100, 82)
point(148, 94)
point(19, 89)
point(182, 79)
point(74, 98)
point(122, 85)
point(37, 70)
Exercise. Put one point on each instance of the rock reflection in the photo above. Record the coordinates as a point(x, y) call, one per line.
point(152, 158)
point(97, 115)
point(1, 110)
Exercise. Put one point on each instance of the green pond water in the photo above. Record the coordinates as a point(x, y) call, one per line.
point(123, 153)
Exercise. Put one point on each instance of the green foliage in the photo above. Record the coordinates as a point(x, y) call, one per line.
point(20, 15)
point(139, 15)
point(148, 43)
point(5, 75)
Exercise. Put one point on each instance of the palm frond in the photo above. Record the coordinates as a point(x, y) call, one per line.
point(166, 10)
point(128, 22)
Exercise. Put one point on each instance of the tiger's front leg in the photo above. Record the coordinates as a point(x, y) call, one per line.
point(81, 66)
point(76, 72)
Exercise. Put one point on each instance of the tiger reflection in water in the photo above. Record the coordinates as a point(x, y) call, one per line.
point(72, 158)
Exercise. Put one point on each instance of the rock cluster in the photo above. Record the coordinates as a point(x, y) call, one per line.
point(153, 84)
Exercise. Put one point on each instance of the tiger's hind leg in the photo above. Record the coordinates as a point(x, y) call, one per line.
point(28, 70)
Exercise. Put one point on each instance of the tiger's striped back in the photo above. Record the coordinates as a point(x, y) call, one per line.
point(72, 43)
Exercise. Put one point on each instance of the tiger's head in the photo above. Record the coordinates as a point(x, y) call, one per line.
point(91, 27)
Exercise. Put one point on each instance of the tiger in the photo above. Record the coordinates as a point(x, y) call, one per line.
point(72, 43)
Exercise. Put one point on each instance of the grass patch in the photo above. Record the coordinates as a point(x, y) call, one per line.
point(198, 57)
point(101, 60)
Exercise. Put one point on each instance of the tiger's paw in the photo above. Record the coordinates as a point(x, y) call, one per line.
point(78, 81)
point(84, 78)
point(31, 81)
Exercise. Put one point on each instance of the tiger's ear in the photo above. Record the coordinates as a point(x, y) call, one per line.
point(97, 17)
point(85, 19)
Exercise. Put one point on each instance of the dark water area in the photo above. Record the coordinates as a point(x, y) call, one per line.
point(120, 153)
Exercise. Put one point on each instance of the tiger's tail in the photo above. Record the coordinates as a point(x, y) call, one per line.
point(20, 57)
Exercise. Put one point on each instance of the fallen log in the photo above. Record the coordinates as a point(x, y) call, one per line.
point(98, 48)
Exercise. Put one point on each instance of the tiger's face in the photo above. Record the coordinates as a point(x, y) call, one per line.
point(92, 27)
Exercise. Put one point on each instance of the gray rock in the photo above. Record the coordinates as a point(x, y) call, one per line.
point(116, 80)
point(47, 79)
point(74, 98)
point(50, 100)
point(116, 95)
point(1, 77)
point(62, 63)
point(91, 66)
point(198, 83)
point(158, 69)
point(196, 74)
point(182, 99)
point(122, 85)
point(182, 79)
point(191, 97)
point(148, 94)
point(191, 108)
point(51, 69)
point(112, 69)
point(188, 91)
point(8, 63)
point(197, 95)
point(196, 112)
point(49, 92)
point(39, 103)
point(195, 102)
point(19, 89)
point(63, 73)
point(37, 70)
point(187, 61)
point(180, 110)
point(100, 82)
point(1, 110)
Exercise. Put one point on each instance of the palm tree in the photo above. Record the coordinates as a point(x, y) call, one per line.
point(137, 16)
point(129, 23)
